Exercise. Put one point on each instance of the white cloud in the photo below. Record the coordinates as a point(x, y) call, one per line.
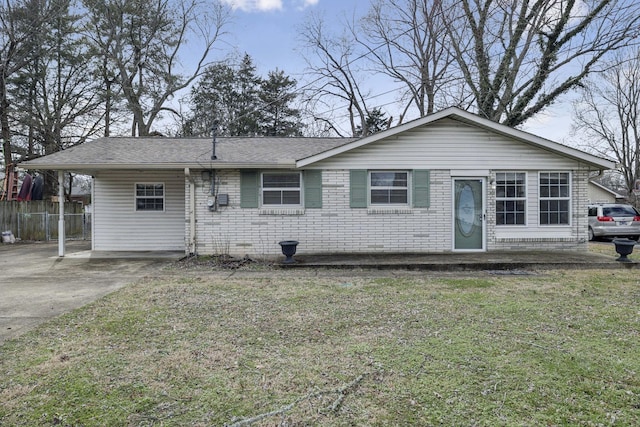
point(256, 5)
point(268, 5)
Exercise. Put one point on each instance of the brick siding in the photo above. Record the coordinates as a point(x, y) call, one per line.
point(337, 228)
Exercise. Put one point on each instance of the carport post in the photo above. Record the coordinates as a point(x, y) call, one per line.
point(61, 214)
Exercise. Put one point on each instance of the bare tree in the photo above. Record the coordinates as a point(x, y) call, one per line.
point(407, 40)
point(20, 22)
point(519, 56)
point(56, 94)
point(608, 116)
point(336, 75)
point(143, 41)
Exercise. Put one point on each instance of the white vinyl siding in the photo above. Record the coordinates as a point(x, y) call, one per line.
point(118, 226)
point(449, 145)
point(598, 194)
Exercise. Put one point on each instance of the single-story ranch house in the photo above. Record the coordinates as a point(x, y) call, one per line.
point(448, 182)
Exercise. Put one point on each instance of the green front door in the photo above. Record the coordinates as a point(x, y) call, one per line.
point(468, 213)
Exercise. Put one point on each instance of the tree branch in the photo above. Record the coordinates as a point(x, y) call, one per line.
point(341, 392)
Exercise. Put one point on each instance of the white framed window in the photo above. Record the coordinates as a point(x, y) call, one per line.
point(511, 198)
point(555, 198)
point(389, 188)
point(149, 196)
point(281, 189)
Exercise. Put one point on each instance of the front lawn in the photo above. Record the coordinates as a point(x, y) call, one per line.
point(264, 349)
point(608, 248)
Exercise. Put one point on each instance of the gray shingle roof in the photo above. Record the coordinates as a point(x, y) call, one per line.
point(177, 153)
point(263, 152)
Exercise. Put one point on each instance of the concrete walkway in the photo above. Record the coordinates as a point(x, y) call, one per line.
point(35, 284)
point(515, 260)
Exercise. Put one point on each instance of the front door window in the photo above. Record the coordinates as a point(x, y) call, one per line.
point(468, 214)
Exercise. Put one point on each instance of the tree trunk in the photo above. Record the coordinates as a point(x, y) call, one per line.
point(4, 121)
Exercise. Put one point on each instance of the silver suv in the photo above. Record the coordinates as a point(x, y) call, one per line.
point(613, 220)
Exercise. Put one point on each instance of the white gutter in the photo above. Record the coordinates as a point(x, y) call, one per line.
point(191, 244)
point(90, 167)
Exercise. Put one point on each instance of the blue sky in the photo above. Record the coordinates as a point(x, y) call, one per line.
point(268, 31)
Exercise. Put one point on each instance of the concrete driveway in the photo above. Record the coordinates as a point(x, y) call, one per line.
point(35, 284)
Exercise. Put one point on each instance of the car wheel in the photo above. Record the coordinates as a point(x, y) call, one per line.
point(591, 236)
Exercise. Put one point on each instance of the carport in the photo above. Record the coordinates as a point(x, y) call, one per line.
point(37, 284)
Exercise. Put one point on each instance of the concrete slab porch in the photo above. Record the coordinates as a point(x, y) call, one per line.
point(463, 261)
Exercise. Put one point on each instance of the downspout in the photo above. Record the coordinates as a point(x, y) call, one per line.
point(600, 172)
point(61, 235)
point(191, 244)
point(93, 213)
point(589, 178)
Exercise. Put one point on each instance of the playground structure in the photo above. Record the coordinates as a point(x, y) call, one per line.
point(10, 187)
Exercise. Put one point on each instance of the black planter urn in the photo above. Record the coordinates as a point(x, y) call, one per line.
point(624, 247)
point(288, 250)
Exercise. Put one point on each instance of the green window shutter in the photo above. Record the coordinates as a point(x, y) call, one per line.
point(421, 188)
point(312, 188)
point(358, 188)
point(249, 187)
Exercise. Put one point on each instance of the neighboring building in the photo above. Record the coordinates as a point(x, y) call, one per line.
point(598, 193)
point(450, 181)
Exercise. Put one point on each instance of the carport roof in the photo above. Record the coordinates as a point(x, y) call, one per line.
point(179, 153)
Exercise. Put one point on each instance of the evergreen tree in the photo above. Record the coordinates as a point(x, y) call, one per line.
point(211, 100)
point(279, 118)
point(246, 103)
point(242, 102)
point(228, 95)
point(375, 122)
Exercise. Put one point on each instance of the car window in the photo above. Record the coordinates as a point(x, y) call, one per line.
point(619, 211)
point(593, 211)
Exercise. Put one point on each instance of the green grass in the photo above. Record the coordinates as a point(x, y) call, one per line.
point(559, 348)
point(608, 248)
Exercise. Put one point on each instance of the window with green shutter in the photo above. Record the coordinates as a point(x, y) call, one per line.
point(284, 188)
point(358, 188)
point(421, 188)
point(281, 189)
point(312, 189)
point(389, 188)
point(249, 189)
